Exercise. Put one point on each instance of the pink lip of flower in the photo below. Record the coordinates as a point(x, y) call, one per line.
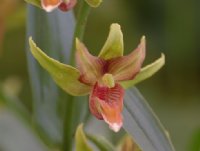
point(64, 5)
point(104, 77)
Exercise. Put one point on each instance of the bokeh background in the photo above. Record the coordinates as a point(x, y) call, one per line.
point(171, 27)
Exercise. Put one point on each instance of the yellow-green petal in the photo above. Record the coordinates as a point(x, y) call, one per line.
point(114, 46)
point(94, 3)
point(145, 72)
point(64, 75)
point(81, 141)
point(128, 144)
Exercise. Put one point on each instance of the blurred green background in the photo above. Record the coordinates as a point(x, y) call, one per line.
point(171, 26)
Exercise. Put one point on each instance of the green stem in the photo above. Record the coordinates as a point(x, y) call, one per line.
point(70, 105)
point(80, 27)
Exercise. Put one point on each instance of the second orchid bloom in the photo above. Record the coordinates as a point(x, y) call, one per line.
point(104, 77)
point(63, 5)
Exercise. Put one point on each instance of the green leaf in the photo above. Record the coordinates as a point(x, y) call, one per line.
point(34, 2)
point(64, 75)
point(114, 46)
point(81, 141)
point(101, 143)
point(94, 3)
point(16, 135)
point(55, 37)
point(142, 124)
point(145, 72)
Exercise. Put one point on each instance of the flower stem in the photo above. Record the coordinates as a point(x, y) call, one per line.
point(70, 105)
point(83, 14)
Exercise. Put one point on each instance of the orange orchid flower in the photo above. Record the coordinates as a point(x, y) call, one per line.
point(104, 77)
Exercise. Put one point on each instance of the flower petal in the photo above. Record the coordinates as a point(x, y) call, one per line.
point(91, 67)
point(145, 72)
point(114, 46)
point(50, 5)
point(107, 103)
point(81, 140)
point(126, 67)
point(64, 75)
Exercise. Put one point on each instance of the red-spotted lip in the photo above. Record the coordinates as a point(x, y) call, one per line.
point(107, 104)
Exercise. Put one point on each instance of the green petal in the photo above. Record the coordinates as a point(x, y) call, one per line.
point(81, 141)
point(34, 2)
point(114, 46)
point(94, 3)
point(64, 75)
point(145, 72)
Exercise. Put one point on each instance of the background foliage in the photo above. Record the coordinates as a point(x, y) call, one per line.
point(171, 26)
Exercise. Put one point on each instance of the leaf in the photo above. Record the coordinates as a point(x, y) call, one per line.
point(101, 143)
point(142, 124)
point(15, 135)
point(145, 72)
point(65, 76)
point(114, 45)
point(81, 140)
point(55, 37)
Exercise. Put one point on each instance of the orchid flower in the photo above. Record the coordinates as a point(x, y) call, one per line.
point(64, 5)
point(104, 77)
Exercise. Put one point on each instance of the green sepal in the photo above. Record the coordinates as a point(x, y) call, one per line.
point(128, 144)
point(114, 46)
point(34, 2)
point(94, 3)
point(65, 76)
point(145, 72)
point(81, 140)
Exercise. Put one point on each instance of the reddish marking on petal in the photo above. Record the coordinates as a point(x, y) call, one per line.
point(89, 66)
point(107, 103)
point(49, 5)
point(65, 6)
point(126, 67)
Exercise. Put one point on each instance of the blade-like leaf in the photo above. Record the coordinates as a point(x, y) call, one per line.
point(142, 124)
point(53, 32)
point(81, 140)
point(145, 72)
point(16, 136)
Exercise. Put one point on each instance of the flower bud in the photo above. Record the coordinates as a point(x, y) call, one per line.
point(94, 3)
